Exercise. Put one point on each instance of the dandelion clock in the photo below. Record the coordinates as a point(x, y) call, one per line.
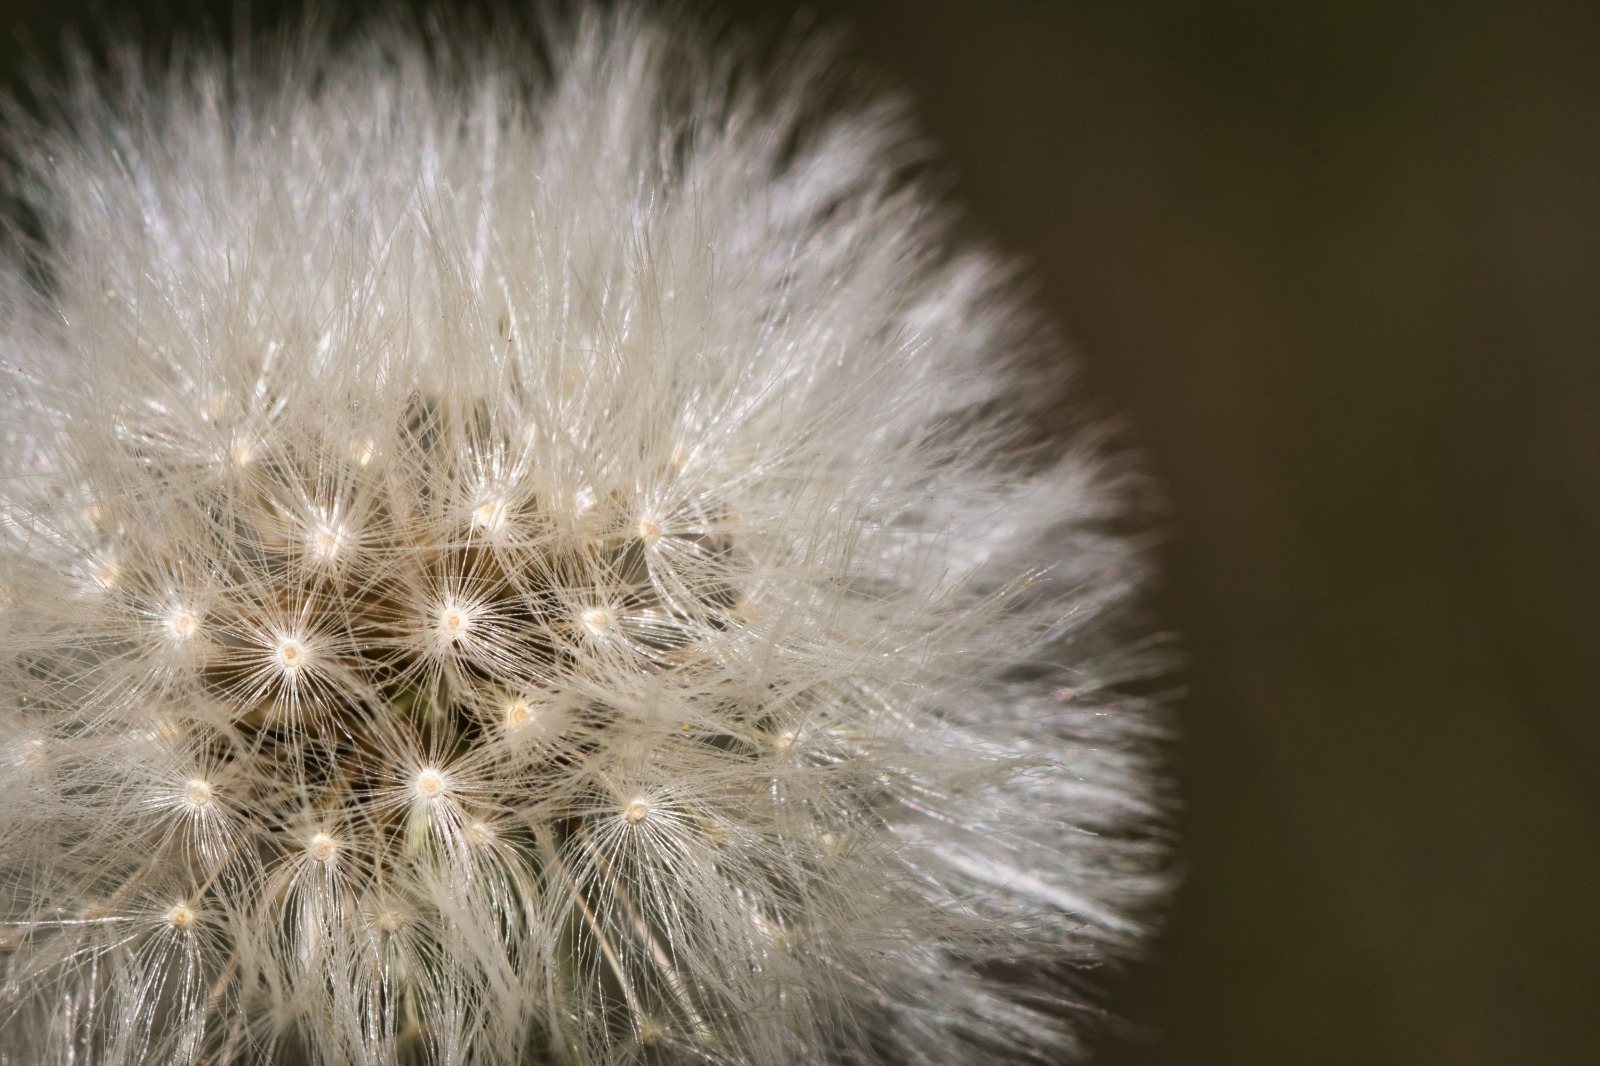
point(536, 553)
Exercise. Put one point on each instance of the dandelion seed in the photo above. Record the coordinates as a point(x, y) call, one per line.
point(636, 811)
point(430, 784)
point(182, 624)
point(453, 622)
point(596, 621)
point(322, 847)
point(181, 916)
point(197, 793)
point(326, 542)
point(290, 655)
point(490, 515)
point(518, 714)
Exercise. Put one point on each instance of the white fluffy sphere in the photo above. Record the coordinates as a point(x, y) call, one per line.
point(509, 560)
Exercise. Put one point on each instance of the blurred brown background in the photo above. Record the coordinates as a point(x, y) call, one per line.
point(1339, 263)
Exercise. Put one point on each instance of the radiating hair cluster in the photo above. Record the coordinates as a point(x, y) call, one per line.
point(531, 553)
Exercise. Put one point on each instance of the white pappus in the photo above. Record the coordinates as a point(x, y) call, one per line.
point(532, 553)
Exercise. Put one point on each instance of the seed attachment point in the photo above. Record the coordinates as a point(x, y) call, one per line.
point(290, 655)
point(597, 621)
point(323, 847)
point(518, 714)
point(490, 515)
point(182, 624)
point(430, 784)
point(197, 793)
point(453, 622)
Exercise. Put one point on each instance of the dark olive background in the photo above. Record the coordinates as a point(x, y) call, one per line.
point(1339, 265)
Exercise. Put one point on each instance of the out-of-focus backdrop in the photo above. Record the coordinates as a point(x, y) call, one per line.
point(1338, 262)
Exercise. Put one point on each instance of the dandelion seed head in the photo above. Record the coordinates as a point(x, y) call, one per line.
point(534, 556)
